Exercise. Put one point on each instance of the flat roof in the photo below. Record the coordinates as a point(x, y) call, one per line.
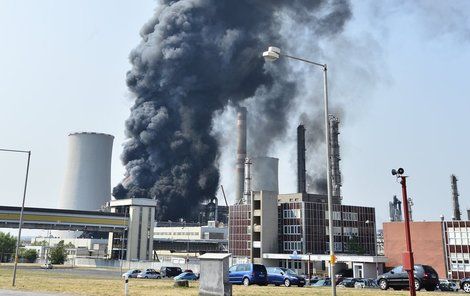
point(60, 211)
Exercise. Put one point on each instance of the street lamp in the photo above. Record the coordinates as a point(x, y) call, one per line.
point(20, 223)
point(272, 54)
point(375, 246)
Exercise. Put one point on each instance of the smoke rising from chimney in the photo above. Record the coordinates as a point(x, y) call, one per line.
point(195, 58)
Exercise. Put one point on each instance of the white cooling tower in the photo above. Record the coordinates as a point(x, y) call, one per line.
point(264, 174)
point(87, 184)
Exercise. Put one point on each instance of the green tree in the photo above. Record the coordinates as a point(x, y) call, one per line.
point(58, 254)
point(39, 243)
point(354, 246)
point(28, 255)
point(7, 246)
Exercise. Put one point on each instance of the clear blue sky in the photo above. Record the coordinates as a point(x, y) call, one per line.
point(64, 64)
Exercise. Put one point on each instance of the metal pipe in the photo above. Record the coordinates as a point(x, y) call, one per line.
point(408, 256)
point(328, 179)
point(18, 242)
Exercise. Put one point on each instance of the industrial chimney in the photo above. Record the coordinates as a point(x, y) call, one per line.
point(455, 198)
point(301, 172)
point(335, 172)
point(87, 184)
point(241, 154)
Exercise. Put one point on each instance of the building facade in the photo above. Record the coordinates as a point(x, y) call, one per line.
point(301, 226)
point(445, 245)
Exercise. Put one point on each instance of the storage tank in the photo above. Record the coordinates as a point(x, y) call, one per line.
point(87, 183)
point(264, 174)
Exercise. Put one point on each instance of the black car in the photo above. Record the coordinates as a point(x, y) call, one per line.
point(397, 278)
point(465, 285)
point(348, 282)
point(169, 271)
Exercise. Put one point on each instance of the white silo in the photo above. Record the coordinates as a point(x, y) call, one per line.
point(87, 183)
point(264, 174)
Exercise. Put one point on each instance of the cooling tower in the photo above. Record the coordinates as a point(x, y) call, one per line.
point(241, 155)
point(264, 174)
point(87, 184)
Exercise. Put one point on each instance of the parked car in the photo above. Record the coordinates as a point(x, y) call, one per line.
point(283, 276)
point(46, 266)
point(248, 274)
point(322, 283)
point(149, 274)
point(465, 285)
point(446, 285)
point(397, 278)
point(132, 273)
point(365, 283)
point(170, 271)
point(348, 282)
point(188, 270)
point(186, 276)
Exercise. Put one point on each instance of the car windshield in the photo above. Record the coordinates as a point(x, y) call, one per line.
point(290, 272)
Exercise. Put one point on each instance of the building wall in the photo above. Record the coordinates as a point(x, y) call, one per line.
point(269, 209)
point(426, 240)
point(240, 230)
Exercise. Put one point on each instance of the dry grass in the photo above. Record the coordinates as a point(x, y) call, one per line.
point(44, 281)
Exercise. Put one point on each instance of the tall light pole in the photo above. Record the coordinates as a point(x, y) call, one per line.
point(272, 54)
point(20, 223)
point(375, 247)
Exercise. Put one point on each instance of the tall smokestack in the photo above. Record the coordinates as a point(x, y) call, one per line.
point(241, 154)
point(301, 172)
point(335, 157)
point(455, 198)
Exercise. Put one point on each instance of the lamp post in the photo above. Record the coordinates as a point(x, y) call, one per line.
point(408, 260)
point(272, 54)
point(20, 223)
point(375, 247)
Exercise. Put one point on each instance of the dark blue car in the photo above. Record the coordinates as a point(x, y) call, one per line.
point(248, 274)
point(283, 276)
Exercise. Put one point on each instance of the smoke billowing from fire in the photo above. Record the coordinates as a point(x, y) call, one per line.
point(195, 58)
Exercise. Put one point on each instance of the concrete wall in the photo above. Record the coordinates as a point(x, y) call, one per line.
point(426, 240)
point(269, 215)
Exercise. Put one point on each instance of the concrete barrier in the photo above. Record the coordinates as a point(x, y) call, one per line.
point(213, 278)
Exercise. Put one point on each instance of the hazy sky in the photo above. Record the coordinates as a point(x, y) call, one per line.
point(64, 64)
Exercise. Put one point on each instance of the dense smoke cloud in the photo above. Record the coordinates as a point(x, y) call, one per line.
point(195, 58)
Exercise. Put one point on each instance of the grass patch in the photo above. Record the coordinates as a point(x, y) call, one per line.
point(47, 281)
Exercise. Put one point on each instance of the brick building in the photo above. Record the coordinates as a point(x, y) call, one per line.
point(443, 245)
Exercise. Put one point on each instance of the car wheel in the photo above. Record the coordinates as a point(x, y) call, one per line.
point(466, 287)
point(246, 282)
point(146, 277)
point(287, 282)
point(383, 284)
point(430, 288)
point(417, 285)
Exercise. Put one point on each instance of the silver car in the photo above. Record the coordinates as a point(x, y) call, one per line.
point(131, 273)
point(149, 274)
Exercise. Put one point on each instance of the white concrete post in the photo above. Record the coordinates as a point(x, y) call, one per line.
point(126, 285)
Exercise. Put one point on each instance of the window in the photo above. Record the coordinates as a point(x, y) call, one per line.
point(291, 229)
point(338, 247)
point(349, 216)
point(336, 215)
point(291, 213)
point(350, 231)
point(292, 246)
point(336, 231)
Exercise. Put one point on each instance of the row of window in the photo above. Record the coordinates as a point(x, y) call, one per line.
point(347, 216)
point(175, 233)
point(292, 229)
point(347, 231)
point(459, 241)
point(293, 213)
point(292, 246)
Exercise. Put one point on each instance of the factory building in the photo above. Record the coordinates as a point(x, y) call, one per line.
point(282, 229)
point(445, 245)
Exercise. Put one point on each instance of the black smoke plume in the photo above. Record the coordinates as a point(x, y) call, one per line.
point(195, 57)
